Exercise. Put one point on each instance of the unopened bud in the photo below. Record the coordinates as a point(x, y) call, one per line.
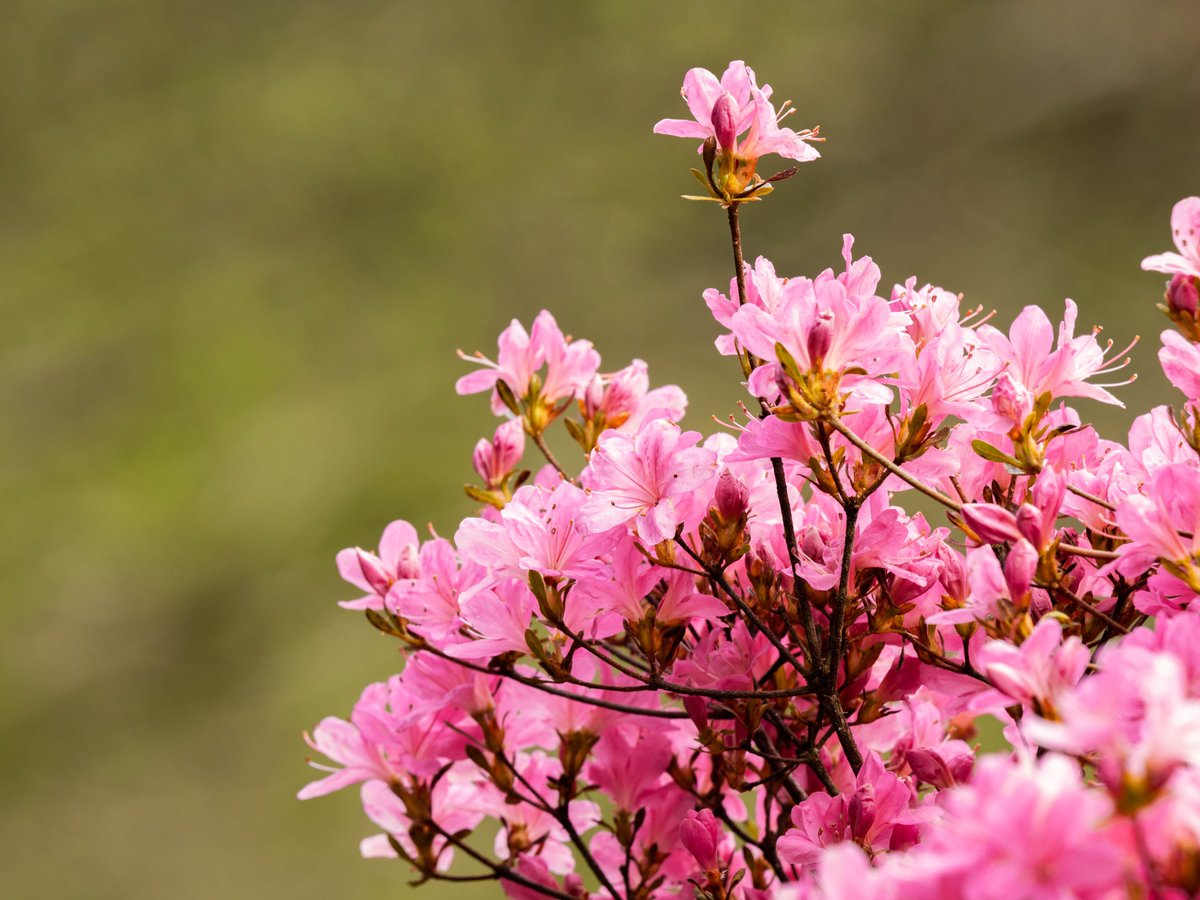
point(732, 497)
point(1029, 523)
point(373, 571)
point(1019, 568)
point(819, 340)
point(700, 834)
point(495, 461)
point(724, 122)
point(593, 397)
point(861, 814)
point(408, 565)
point(990, 523)
point(1182, 295)
point(1011, 399)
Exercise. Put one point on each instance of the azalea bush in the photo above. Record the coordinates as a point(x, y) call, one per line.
point(744, 664)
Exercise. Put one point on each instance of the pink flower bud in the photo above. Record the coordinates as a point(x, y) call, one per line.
point(408, 564)
point(593, 397)
point(993, 524)
point(861, 813)
point(700, 835)
point(1182, 296)
point(373, 571)
point(495, 461)
point(820, 338)
point(483, 459)
point(1029, 523)
point(1019, 568)
point(509, 444)
point(724, 121)
point(1011, 399)
point(732, 497)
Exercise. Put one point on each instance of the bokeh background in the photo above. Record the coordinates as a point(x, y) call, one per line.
point(240, 242)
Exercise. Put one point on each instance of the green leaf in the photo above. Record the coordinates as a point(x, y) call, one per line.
point(993, 454)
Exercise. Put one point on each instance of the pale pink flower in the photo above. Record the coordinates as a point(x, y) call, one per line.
point(497, 618)
point(1156, 525)
point(1180, 360)
point(1020, 829)
point(1035, 674)
point(1061, 370)
point(644, 478)
point(398, 559)
point(569, 365)
point(734, 105)
point(539, 531)
point(1185, 229)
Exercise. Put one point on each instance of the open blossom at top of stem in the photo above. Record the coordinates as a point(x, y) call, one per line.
point(734, 105)
point(1185, 229)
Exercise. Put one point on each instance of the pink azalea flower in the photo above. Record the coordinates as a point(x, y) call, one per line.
point(1185, 229)
point(625, 399)
point(1156, 524)
point(1023, 829)
point(735, 105)
point(1180, 360)
point(1041, 366)
point(825, 329)
point(498, 619)
point(569, 365)
point(1035, 674)
point(644, 478)
point(398, 559)
point(876, 814)
point(450, 805)
point(540, 531)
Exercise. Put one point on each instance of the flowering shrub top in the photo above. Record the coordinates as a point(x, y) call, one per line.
point(739, 665)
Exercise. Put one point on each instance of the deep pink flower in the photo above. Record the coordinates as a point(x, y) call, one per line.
point(701, 835)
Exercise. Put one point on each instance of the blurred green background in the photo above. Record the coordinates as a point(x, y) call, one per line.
point(240, 242)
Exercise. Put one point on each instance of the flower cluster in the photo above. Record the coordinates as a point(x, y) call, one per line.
point(744, 664)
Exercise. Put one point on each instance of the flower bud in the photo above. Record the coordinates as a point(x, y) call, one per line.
point(700, 834)
point(1029, 523)
point(724, 121)
point(1182, 295)
point(820, 338)
point(732, 497)
point(408, 565)
point(373, 571)
point(593, 397)
point(495, 461)
point(1019, 569)
point(861, 814)
point(1011, 399)
point(990, 523)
